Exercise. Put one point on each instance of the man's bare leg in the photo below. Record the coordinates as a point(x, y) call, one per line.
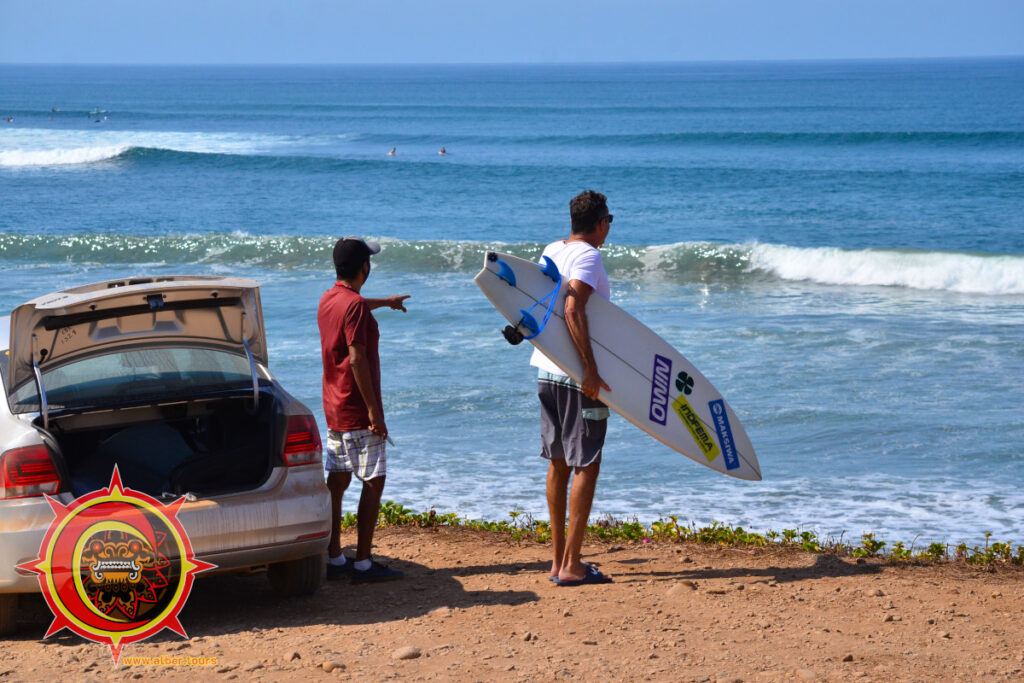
point(337, 482)
point(580, 499)
point(558, 481)
point(369, 510)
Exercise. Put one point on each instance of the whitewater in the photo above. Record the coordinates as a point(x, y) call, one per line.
point(704, 261)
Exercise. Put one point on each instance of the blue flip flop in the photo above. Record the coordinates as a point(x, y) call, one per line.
point(553, 578)
point(593, 575)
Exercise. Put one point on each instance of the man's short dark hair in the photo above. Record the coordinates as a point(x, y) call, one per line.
point(586, 210)
point(349, 257)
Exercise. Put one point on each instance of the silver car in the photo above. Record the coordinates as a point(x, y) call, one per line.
point(167, 379)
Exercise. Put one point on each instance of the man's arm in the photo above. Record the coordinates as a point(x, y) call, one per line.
point(576, 320)
point(395, 303)
point(361, 372)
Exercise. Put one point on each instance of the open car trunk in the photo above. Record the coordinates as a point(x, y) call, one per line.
point(203, 447)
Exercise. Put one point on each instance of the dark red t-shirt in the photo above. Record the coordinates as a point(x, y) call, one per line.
point(344, 318)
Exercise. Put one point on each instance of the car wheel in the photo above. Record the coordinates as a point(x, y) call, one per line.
point(8, 613)
point(297, 577)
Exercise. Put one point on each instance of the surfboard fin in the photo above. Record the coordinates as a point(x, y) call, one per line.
point(512, 334)
point(549, 268)
point(505, 273)
point(529, 322)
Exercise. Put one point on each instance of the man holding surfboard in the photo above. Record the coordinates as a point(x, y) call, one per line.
point(573, 421)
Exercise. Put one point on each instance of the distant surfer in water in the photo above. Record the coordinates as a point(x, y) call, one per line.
point(392, 152)
point(442, 152)
point(572, 421)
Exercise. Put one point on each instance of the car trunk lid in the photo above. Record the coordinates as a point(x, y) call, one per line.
point(115, 315)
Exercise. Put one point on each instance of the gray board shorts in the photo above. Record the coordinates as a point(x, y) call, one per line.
point(572, 426)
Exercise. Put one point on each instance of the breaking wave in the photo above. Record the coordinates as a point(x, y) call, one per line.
point(60, 157)
point(931, 270)
point(40, 147)
point(684, 262)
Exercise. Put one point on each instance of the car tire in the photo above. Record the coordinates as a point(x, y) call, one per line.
point(8, 613)
point(297, 577)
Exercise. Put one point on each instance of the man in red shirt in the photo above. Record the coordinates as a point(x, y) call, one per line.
point(352, 404)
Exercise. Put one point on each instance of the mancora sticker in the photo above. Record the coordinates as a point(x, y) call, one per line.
point(696, 427)
point(721, 420)
point(116, 566)
point(660, 377)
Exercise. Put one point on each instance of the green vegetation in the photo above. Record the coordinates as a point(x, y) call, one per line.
point(522, 526)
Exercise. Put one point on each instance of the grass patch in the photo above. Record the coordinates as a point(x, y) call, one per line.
point(522, 526)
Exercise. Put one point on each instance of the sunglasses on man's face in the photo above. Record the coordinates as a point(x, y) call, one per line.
point(610, 218)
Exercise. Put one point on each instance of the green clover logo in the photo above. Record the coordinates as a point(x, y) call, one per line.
point(684, 383)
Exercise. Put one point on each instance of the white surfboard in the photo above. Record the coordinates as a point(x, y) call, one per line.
point(652, 385)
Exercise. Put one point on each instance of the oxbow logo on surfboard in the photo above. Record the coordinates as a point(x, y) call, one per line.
point(684, 383)
point(659, 389)
point(116, 566)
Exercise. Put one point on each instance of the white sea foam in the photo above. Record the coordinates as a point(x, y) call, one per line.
point(955, 272)
point(60, 157)
point(41, 147)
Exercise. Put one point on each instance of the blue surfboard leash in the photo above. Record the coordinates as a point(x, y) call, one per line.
point(505, 272)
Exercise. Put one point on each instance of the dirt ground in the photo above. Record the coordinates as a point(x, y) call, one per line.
point(478, 606)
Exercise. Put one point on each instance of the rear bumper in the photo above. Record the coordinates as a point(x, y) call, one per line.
point(285, 519)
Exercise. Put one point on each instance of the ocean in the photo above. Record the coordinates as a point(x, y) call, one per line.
point(838, 246)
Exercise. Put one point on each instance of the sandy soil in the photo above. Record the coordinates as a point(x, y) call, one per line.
point(478, 606)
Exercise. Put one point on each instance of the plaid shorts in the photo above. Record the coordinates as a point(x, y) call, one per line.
point(361, 452)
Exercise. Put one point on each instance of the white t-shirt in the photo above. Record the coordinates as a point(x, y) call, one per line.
point(576, 261)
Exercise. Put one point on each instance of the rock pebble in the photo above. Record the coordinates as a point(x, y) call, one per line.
point(406, 653)
point(681, 587)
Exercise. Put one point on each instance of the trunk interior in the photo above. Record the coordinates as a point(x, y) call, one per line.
point(203, 447)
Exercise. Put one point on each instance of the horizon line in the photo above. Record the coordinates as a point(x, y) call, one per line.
point(777, 60)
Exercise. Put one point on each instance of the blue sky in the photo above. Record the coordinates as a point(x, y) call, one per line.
point(402, 31)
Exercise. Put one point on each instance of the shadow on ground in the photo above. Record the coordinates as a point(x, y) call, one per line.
point(824, 566)
point(231, 603)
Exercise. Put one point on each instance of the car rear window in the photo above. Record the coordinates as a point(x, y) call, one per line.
point(134, 376)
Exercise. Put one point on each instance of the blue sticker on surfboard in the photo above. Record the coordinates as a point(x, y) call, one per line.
point(721, 420)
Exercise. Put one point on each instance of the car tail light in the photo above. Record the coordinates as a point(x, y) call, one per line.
point(302, 442)
point(28, 472)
